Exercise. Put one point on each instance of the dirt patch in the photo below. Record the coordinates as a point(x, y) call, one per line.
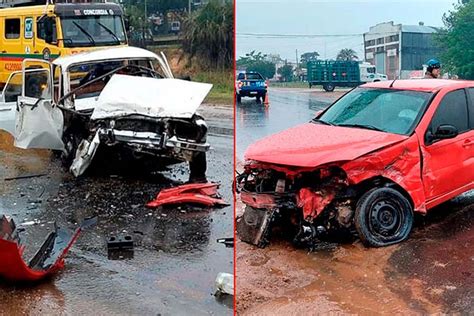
point(430, 273)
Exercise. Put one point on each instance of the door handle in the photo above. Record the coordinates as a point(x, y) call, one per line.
point(467, 143)
point(3, 51)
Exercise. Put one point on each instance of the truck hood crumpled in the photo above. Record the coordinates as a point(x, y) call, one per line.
point(130, 95)
point(311, 145)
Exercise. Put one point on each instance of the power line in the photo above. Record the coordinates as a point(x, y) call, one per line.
point(276, 35)
point(267, 35)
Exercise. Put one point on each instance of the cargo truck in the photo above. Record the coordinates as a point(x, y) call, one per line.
point(334, 73)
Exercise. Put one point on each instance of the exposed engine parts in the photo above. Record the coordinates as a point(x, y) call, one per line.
point(313, 203)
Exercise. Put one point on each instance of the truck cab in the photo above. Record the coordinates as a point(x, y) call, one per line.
point(53, 30)
point(368, 73)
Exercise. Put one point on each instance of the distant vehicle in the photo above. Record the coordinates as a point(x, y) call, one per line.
point(49, 31)
point(331, 74)
point(112, 98)
point(366, 164)
point(250, 84)
point(175, 26)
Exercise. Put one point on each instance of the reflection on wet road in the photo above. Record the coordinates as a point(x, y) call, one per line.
point(432, 272)
point(287, 108)
point(176, 257)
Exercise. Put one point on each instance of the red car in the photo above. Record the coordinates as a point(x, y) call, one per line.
point(365, 164)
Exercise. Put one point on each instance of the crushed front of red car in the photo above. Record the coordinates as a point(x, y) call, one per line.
point(308, 179)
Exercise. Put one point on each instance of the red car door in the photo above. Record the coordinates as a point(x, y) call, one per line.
point(447, 163)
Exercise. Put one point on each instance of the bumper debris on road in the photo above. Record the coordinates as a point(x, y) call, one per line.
point(196, 193)
point(47, 261)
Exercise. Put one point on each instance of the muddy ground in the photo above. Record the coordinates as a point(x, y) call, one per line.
point(432, 272)
point(176, 257)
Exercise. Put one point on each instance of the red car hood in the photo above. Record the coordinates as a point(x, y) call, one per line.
point(311, 145)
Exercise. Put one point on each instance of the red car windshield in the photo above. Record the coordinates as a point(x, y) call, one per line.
point(387, 110)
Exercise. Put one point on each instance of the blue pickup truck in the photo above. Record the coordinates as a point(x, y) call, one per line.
point(250, 84)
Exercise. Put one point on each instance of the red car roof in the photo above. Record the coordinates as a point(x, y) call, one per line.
point(429, 85)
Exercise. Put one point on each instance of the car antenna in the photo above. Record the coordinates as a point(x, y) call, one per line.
point(391, 85)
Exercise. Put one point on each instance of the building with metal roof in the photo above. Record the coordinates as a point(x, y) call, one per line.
point(397, 49)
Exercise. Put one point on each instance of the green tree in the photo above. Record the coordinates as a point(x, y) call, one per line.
point(306, 57)
point(286, 72)
point(257, 62)
point(347, 54)
point(456, 40)
point(208, 34)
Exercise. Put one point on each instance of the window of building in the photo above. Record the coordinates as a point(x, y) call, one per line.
point(391, 63)
point(380, 41)
point(453, 111)
point(12, 28)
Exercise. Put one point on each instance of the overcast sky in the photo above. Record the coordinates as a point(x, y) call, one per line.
point(326, 17)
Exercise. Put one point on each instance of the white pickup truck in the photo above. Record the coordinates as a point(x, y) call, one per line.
point(113, 98)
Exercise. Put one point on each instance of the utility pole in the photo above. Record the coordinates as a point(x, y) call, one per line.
point(296, 58)
point(146, 12)
point(189, 6)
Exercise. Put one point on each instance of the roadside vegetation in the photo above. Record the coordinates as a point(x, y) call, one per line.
point(456, 40)
point(205, 52)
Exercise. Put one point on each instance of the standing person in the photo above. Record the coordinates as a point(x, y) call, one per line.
point(434, 69)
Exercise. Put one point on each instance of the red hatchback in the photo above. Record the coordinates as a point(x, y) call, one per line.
point(377, 155)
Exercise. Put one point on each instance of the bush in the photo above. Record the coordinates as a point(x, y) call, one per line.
point(208, 34)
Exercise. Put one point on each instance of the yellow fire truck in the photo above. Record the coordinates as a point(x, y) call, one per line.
point(55, 29)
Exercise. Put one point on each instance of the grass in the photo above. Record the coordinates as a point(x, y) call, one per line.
point(293, 84)
point(222, 91)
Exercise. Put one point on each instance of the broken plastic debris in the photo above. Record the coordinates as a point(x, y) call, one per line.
point(225, 283)
point(199, 193)
point(228, 242)
point(48, 260)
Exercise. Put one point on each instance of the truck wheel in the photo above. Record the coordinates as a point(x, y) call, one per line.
point(239, 99)
point(383, 217)
point(197, 168)
point(258, 100)
point(329, 87)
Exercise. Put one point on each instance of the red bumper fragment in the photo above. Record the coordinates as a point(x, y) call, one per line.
point(198, 193)
point(48, 260)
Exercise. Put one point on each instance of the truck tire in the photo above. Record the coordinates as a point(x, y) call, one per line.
point(329, 87)
point(239, 99)
point(197, 168)
point(383, 217)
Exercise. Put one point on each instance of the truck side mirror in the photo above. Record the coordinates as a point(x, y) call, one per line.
point(48, 30)
point(126, 22)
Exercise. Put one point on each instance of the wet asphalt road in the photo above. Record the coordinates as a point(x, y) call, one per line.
point(432, 272)
point(176, 257)
point(287, 108)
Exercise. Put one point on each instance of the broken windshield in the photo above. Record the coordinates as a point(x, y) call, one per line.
point(84, 73)
point(93, 30)
point(387, 110)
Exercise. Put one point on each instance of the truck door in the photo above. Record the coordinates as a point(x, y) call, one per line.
point(446, 160)
point(8, 99)
point(39, 122)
